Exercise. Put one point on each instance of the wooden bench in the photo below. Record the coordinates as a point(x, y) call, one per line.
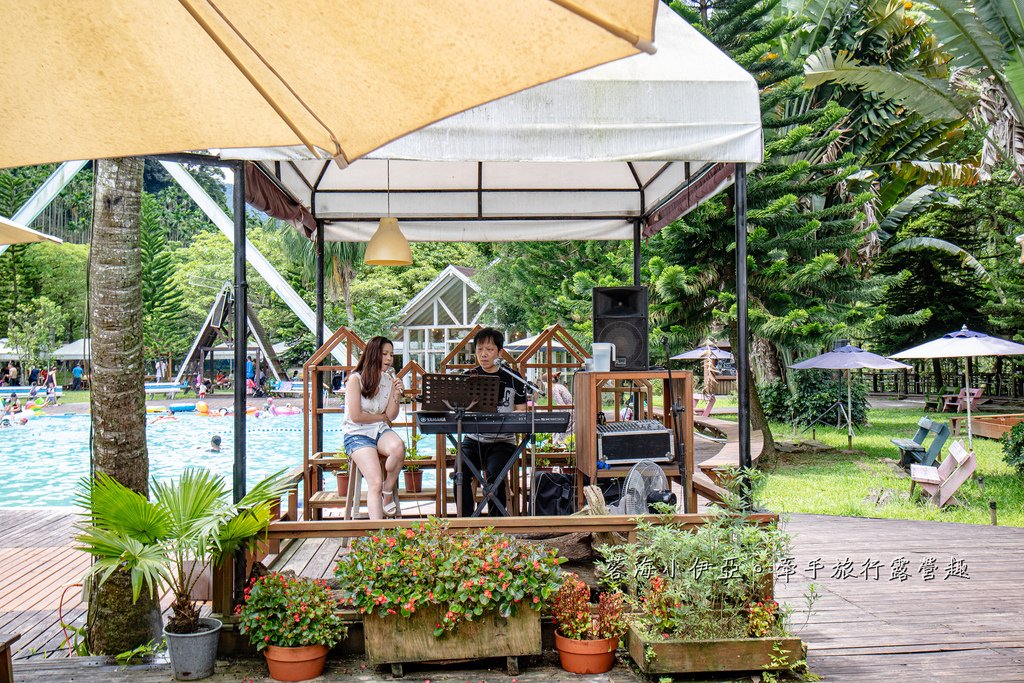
point(6, 666)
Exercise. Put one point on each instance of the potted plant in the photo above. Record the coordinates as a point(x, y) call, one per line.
point(704, 597)
point(293, 621)
point(413, 583)
point(413, 474)
point(163, 545)
point(342, 474)
point(586, 643)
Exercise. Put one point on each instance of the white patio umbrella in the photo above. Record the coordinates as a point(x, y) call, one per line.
point(848, 358)
point(704, 352)
point(14, 233)
point(523, 344)
point(964, 344)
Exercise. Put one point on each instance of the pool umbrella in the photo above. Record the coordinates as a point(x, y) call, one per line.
point(87, 80)
point(707, 353)
point(849, 358)
point(704, 352)
point(964, 344)
point(13, 233)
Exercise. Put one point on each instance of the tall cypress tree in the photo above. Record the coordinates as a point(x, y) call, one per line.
point(163, 303)
point(805, 286)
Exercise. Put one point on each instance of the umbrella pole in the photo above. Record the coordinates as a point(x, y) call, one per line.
point(849, 413)
point(967, 379)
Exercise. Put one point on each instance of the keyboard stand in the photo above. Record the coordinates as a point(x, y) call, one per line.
point(489, 488)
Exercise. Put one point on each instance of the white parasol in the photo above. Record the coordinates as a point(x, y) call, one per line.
point(964, 344)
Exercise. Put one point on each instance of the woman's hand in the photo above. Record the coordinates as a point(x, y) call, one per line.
point(397, 387)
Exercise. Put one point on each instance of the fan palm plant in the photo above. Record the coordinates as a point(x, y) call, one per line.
point(164, 544)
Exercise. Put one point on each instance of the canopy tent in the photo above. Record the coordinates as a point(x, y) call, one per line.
point(339, 78)
point(846, 358)
point(523, 344)
point(591, 156)
point(76, 350)
point(227, 351)
point(7, 352)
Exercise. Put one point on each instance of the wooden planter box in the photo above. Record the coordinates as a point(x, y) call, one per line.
point(700, 656)
point(393, 639)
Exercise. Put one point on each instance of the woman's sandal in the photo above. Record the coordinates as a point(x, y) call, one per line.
point(390, 502)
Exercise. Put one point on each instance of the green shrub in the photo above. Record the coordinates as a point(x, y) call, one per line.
point(1013, 447)
point(816, 390)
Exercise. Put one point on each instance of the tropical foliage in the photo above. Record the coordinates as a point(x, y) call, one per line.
point(164, 544)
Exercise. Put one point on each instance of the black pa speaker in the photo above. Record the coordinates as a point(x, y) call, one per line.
point(620, 318)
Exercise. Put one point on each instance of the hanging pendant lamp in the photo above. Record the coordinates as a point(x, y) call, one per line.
point(388, 246)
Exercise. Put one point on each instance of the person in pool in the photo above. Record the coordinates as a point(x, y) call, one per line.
point(215, 444)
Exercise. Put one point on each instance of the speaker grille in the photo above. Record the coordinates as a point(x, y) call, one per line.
point(630, 338)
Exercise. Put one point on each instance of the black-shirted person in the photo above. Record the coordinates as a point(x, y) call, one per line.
point(491, 452)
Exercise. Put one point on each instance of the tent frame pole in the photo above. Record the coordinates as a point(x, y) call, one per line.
point(318, 393)
point(742, 330)
point(241, 324)
point(636, 252)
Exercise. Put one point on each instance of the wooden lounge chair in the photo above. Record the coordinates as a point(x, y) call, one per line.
point(913, 451)
point(933, 401)
point(6, 668)
point(942, 482)
point(709, 404)
point(958, 402)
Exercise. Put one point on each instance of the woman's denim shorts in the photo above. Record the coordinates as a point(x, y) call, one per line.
point(353, 442)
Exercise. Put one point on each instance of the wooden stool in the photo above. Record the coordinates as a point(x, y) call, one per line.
point(355, 489)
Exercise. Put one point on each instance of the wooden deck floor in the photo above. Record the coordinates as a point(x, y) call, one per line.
point(860, 629)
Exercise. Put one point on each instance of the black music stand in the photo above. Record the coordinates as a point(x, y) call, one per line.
point(449, 393)
point(459, 394)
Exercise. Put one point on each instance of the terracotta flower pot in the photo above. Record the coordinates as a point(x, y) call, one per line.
point(586, 656)
point(295, 663)
point(342, 484)
point(413, 481)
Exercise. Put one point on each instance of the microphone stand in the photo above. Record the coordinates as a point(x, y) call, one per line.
point(677, 429)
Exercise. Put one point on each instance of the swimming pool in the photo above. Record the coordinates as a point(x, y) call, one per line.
point(42, 461)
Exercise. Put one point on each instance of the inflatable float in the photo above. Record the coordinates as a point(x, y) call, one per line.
point(182, 408)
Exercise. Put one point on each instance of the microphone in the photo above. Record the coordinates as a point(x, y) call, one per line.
point(504, 367)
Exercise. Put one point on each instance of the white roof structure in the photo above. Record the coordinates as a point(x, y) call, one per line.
point(440, 315)
point(7, 352)
point(76, 350)
point(585, 157)
point(227, 351)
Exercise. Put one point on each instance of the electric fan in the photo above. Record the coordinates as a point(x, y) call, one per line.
point(644, 479)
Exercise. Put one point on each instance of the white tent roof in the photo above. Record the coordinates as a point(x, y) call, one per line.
point(7, 352)
point(75, 350)
point(647, 137)
point(227, 351)
point(523, 344)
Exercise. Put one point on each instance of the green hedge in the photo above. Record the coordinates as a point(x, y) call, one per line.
point(816, 390)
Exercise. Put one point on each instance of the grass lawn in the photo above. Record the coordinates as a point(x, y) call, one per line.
point(839, 483)
point(75, 397)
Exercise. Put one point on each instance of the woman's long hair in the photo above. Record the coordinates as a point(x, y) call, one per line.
point(369, 365)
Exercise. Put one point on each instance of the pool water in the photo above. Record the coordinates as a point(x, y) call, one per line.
point(42, 461)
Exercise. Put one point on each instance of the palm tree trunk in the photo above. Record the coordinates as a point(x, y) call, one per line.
point(117, 401)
